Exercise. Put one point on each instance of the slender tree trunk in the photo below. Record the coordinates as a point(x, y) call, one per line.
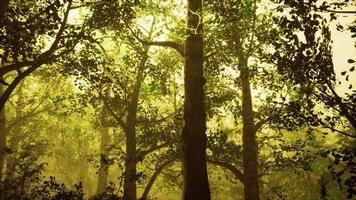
point(130, 192)
point(196, 185)
point(104, 157)
point(3, 133)
point(250, 165)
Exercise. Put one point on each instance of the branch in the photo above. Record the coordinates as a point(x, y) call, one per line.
point(239, 175)
point(11, 67)
point(61, 29)
point(142, 154)
point(156, 121)
point(82, 5)
point(175, 45)
point(153, 179)
point(348, 116)
point(259, 124)
point(339, 11)
point(338, 131)
point(5, 96)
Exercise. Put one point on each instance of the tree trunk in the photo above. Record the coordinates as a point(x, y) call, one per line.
point(196, 185)
point(130, 192)
point(3, 133)
point(251, 191)
point(104, 157)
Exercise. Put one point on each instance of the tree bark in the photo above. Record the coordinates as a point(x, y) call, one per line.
point(196, 185)
point(104, 157)
point(250, 165)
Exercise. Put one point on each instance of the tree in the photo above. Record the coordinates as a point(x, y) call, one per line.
point(194, 139)
point(196, 185)
point(244, 29)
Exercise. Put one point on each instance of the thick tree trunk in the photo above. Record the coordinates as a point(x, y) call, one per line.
point(130, 192)
point(104, 157)
point(3, 133)
point(196, 185)
point(250, 165)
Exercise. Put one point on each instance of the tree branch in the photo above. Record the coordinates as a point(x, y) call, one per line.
point(343, 108)
point(172, 44)
point(153, 179)
point(338, 131)
point(239, 175)
point(142, 154)
point(338, 11)
point(259, 124)
point(11, 67)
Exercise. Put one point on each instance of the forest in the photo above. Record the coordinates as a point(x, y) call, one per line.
point(177, 99)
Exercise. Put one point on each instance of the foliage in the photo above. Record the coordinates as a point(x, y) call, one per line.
point(303, 55)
